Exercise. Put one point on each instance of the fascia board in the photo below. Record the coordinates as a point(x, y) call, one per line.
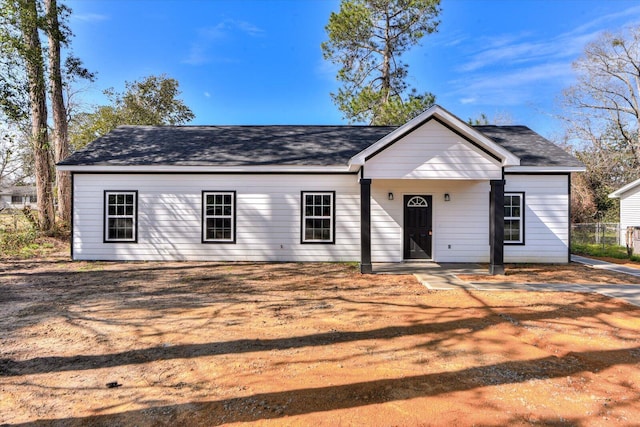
point(619, 192)
point(544, 169)
point(204, 169)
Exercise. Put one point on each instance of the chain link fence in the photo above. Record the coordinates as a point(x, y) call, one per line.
point(600, 233)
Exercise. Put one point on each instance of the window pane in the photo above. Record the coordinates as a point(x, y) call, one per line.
point(512, 230)
point(218, 224)
point(120, 228)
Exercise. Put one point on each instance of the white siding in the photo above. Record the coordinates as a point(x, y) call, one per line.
point(460, 226)
point(432, 152)
point(170, 224)
point(546, 218)
point(268, 218)
point(629, 211)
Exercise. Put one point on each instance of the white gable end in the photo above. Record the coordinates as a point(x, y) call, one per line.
point(432, 151)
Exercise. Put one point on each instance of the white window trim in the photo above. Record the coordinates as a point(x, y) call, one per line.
point(519, 218)
point(232, 239)
point(331, 216)
point(133, 216)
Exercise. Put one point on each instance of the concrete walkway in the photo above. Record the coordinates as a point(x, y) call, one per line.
point(604, 265)
point(444, 277)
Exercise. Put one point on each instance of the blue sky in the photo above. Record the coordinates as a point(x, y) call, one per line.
point(259, 61)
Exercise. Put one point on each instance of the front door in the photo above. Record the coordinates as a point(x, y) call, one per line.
point(417, 227)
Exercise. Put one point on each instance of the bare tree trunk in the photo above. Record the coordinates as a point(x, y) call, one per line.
point(60, 126)
point(37, 100)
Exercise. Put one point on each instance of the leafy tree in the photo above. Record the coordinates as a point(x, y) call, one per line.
point(23, 92)
point(367, 39)
point(152, 101)
point(498, 119)
point(22, 84)
point(59, 110)
point(482, 119)
point(10, 158)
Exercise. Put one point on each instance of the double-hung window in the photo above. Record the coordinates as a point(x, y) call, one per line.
point(318, 217)
point(121, 208)
point(514, 218)
point(219, 216)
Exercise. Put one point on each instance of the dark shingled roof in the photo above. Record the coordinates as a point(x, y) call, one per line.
point(278, 145)
point(530, 147)
point(229, 145)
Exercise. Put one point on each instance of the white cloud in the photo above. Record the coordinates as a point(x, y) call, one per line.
point(199, 52)
point(519, 68)
point(511, 86)
point(90, 17)
point(207, 95)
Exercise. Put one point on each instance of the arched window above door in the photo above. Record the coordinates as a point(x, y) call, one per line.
point(416, 202)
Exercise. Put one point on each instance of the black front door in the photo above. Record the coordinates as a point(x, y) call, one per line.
point(417, 227)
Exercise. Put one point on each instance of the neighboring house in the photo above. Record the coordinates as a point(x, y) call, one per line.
point(435, 188)
point(18, 197)
point(629, 196)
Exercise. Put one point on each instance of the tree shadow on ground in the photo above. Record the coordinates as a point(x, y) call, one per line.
point(39, 365)
point(264, 406)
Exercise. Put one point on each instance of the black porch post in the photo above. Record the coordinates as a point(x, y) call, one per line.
point(496, 227)
point(365, 226)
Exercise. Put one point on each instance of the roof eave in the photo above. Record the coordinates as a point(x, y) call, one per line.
point(619, 192)
point(101, 168)
point(545, 169)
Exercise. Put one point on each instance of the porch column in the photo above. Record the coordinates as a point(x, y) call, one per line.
point(365, 226)
point(496, 227)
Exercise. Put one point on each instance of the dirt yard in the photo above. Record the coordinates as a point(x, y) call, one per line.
point(303, 344)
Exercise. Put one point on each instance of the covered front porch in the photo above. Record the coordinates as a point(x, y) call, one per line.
point(442, 221)
point(433, 189)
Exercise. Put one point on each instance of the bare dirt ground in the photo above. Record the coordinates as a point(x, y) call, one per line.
point(303, 344)
point(543, 273)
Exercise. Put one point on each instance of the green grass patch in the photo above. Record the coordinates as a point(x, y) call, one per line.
point(599, 250)
point(19, 238)
point(17, 235)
